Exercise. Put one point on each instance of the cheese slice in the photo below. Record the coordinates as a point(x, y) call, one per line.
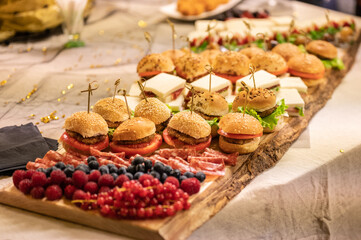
point(292, 99)
point(163, 85)
point(262, 78)
point(176, 105)
point(197, 37)
point(202, 25)
point(134, 90)
point(282, 20)
point(218, 84)
point(293, 82)
point(132, 101)
point(236, 25)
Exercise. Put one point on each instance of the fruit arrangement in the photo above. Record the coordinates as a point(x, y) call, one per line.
point(142, 190)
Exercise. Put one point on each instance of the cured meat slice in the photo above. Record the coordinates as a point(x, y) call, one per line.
point(231, 158)
point(182, 166)
point(160, 159)
point(208, 168)
point(182, 153)
point(212, 159)
point(53, 156)
point(35, 165)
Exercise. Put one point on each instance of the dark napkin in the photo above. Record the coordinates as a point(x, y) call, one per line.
point(21, 144)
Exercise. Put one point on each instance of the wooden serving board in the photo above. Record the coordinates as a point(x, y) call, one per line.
point(215, 193)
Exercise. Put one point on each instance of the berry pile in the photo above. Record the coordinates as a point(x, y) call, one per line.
point(142, 190)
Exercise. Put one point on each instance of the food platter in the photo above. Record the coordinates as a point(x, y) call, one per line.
point(170, 10)
point(215, 193)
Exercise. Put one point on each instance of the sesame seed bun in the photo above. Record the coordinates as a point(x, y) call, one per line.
point(112, 111)
point(239, 123)
point(248, 147)
point(155, 62)
point(86, 124)
point(173, 54)
point(322, 49)
point(231, 63)
point(210, 55)
point(259, 99)
point(287, 50)
point(191, 67)
point(251, 51)
point(134, 129)
point(154, 110)
point(306, 63)
point(270, 62)
point(191, 124)
point(212, 104)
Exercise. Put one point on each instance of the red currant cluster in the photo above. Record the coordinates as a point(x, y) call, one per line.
point(138, 199)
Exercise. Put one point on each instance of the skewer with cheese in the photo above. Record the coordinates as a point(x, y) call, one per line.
point(262, 78)
point(293, 100)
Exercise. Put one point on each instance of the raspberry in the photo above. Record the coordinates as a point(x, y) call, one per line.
point(37, 192)
point(67, 181)
point(94, 176)
point(53, 192)
point(173, 181)
point(104, 189)
point(191, 185)
point(120, 180)
point(91, 187)
point(145, 177)
point(79, 178)
point(57, 177)
point(18, 175)
point(79, 195)
point(106, 180)
point(25, 186)
point(69, 191)
point(38, 179)
point(29, 174)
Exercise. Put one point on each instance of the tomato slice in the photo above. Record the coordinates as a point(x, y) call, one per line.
point(307, 75)
point(238, 136)
point(280, 72)
point(179, 144)
point(147, 74)
point(232, 78)
point(82, 146)
point(141, 148)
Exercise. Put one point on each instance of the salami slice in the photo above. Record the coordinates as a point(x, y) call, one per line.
point(182, 153)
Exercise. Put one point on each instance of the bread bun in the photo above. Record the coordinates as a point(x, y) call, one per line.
point(112, 111)
point(287, 50)
point(191, 124)
point(239, 123)
point(231, 63)
point(155, 62)
point(173, 54)
point(86, 124)
point(270, 62)
point(306, 63)
point(210, 55)
point(313, 82)
point(191, 67)
point(322, 48)
point(153, 109)
point(259, 99)
point(212, 104)
point(251, 51)
point(248, 147)
point(134, 129)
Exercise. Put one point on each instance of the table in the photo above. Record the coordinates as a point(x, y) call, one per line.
point(312, 193)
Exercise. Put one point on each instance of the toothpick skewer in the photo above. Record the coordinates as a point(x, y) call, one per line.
point(90, 92)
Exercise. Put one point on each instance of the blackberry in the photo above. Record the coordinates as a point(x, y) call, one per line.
point(104, 169)
point(83, 167)
point(137, 175)
point(60, 165)
point(114, 175)
point(69, 171)
point(175, 173)
point(137, 160)
point(129, 175)
point(48, 171)
point(159, 167)
point(188, 174)
point(91, 159)
point(200, 176)
point(140, 168)
point(148, 164)
point(155, 174)
point(131, 169)
point(122, 170)
point(167, 169)
point(112, 169)
point(93, 165)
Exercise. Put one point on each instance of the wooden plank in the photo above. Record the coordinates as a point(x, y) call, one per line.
point(215, 193)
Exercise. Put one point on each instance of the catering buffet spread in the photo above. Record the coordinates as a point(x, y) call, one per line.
point(205, 122)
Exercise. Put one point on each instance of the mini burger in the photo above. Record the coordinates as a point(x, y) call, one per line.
point(136, 136)
point(261, 104)
point(114, 111)
point(187, 129)
point(287, 50)
point(173, 54)
point(154, 64)
point(191, 67)
point(154, 110)
point(251, 51)
point(231, 65)
point(210, 106)
point(83, 131)
point(210, 55)
point(308, 67)
point(270, 62)
point(326, 52)
point(239, 133)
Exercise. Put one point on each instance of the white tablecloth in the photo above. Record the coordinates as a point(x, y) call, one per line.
point(312, 193)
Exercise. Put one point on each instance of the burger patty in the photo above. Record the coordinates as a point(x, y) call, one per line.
point(161, 126)
point(206, 117)
point(89, 140)
point(185, 138)
point(113, 124)
point(237, 141)
point(131, 142)
point(267, 112)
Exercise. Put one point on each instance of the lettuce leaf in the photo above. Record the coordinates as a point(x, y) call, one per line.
point(336, 63)
point(280, 38)
point(200, 48)
point(111, 132)
point(173, 111)
point(300, 111)
point(271, 120)
point(302, 48)
point(230, 107)
point(213, 122)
